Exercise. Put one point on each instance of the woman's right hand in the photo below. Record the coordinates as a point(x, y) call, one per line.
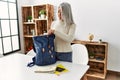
point(51, 31)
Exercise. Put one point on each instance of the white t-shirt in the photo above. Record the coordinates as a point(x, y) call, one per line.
point(64, 35)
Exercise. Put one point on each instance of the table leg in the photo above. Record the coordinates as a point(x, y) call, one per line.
point(84, 77)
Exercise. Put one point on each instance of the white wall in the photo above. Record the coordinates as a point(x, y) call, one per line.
point(100, 17)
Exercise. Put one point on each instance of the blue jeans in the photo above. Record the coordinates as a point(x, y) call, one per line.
point(64, 56)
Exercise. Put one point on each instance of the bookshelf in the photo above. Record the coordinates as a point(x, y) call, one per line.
point(98, 64)
point(37, 25)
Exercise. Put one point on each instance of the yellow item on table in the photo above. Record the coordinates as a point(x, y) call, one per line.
point(60, 69)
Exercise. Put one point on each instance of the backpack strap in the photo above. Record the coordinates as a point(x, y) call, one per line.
point(31, 63)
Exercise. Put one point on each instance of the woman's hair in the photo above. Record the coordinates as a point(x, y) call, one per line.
point(66, 13)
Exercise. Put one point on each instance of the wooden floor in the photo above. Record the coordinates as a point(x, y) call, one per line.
point(110, 76)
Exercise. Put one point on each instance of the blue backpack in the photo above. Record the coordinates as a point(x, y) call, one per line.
point(44, 49)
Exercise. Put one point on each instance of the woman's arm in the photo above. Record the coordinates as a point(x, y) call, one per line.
point(66, 37)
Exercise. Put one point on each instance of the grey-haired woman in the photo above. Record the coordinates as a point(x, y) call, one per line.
point(64, 30)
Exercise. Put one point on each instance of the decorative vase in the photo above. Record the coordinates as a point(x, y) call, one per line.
point(91, 57)
point(33, 32)
point(100, 40)
point(90, 37)
point(42, 16)
point(29, 20)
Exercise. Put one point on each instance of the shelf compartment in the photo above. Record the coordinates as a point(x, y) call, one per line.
point(37, 8)
point(41, 27)
point(28, 44)
point(26, 11)
point(94, 60)
point(29, 29)
point(96, 74)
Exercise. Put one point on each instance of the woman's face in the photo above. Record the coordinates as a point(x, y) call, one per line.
point(59, 13)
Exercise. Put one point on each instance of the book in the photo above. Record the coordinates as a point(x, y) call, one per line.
point(46, 69)
point(60, 69)
point(54, 69)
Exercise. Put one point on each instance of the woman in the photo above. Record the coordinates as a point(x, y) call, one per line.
point(64, 30)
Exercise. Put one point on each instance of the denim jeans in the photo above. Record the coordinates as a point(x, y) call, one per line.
point(64, 56)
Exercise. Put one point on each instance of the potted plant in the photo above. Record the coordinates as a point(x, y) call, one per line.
point(91, 55)
point(100, 40)
point(29, 18)
point(42, 14)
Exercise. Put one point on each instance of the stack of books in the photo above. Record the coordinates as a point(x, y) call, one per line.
point(58, 69)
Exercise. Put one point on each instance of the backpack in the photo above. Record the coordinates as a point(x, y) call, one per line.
point(44, 49)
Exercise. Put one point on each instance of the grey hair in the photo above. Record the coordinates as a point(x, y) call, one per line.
point(66, 13)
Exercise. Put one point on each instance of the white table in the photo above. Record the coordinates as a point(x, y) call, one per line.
point(14, 67)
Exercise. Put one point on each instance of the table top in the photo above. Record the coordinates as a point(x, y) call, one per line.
point(14, 67)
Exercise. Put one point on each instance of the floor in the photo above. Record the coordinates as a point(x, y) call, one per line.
point(110, 76)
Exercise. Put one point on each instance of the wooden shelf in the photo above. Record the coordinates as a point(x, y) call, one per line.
point(40, 19)
point(29, 23)
point(98, 68)
point(94, 60)
point(38, 26)
point(89, 42)
point(28, 36)
point(96, 74)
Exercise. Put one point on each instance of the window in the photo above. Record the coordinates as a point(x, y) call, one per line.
point(9, 27)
